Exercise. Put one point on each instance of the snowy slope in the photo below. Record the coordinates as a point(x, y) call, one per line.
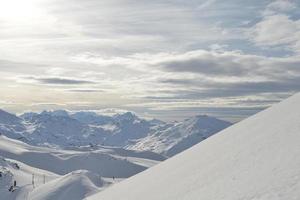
point(47, 186)
point(171, 139)
point(109, 162)
point(12, 170)
point(256, 159)
point(68, 174)
point(75, 185)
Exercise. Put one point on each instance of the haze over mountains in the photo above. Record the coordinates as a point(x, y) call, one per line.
point(126, 130)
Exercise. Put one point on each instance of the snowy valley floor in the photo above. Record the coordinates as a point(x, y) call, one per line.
point(47, 174)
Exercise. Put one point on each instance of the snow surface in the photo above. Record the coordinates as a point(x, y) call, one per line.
point(65, 174)
point(23, 176)
point(256, 159)
point(109, 162)
point(74, 186)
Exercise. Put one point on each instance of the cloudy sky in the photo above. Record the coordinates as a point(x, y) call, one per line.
point(168, 59)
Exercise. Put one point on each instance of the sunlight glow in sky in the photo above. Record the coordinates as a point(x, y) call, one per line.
point(165, 59)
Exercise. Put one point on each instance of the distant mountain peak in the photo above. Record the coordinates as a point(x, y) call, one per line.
point(57, 113)
point(126, 116)
point(8, 118)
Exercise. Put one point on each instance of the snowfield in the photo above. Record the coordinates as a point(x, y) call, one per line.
point(75, 185)
point(65, 174)
point(256, 159)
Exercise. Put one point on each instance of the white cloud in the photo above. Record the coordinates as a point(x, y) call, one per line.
point(276, 30)
point(279, 6)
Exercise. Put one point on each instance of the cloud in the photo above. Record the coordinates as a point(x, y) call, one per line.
point(86, 90)
point(105, 111)
point(277, 6)
point(59, 80)
point(207, 74)
point(279, 26)
point(111, 53)
point(276, 30)
point(211, 63)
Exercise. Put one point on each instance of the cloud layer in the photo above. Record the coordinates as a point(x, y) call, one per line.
point(165, 59)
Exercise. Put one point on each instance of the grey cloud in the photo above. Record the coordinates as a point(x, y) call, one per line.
point(203, 66)
point(207, 90)
point(59, 81)
point(86, 90)
point(212, 63)
point(178, 81)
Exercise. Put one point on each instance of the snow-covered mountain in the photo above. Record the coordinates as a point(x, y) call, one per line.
point(11, 125)
point(76, 129)
point(171, 139)
point(258, 158)
point(65, 129)
point(88, 117)
point(59, 129)
point(129, 127)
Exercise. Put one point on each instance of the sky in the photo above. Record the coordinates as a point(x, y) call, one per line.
point(168, 59)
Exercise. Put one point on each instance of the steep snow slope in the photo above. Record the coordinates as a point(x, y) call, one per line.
point(172, 139)
point(256, 159)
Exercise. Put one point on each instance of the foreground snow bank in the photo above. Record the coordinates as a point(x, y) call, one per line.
point(75, 185)
point(256, 159)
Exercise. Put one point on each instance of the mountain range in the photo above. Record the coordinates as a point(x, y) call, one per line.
point(63, 129)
